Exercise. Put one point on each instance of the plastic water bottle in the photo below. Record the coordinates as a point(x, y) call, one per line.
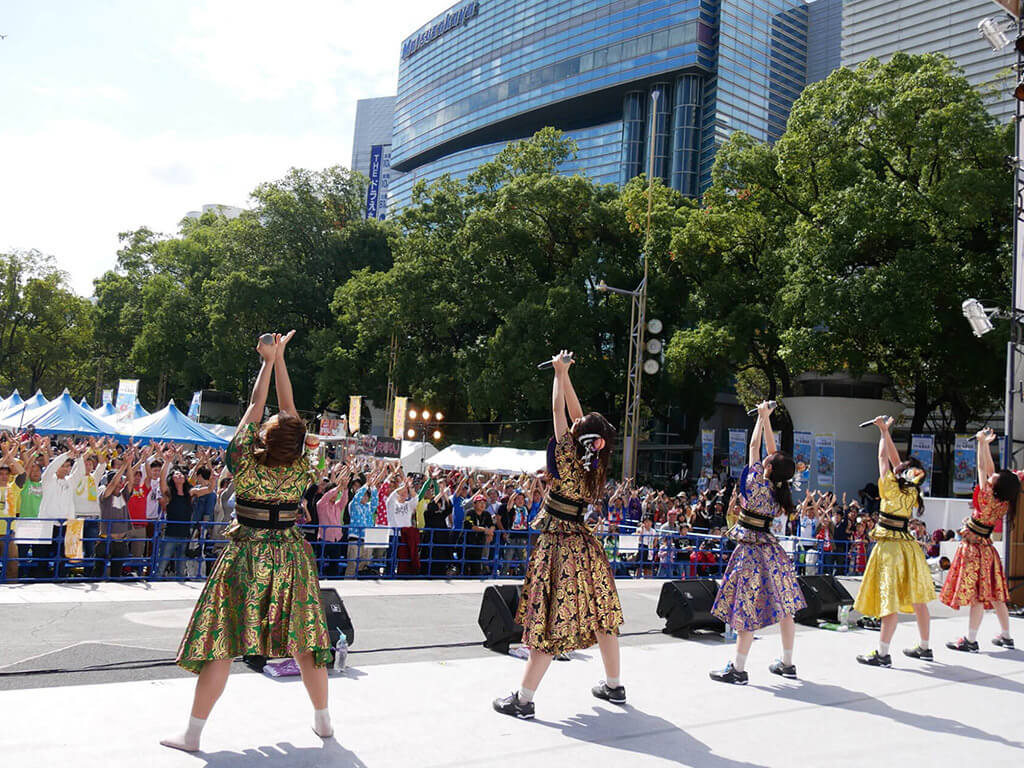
point(729, 636)
point(340, 653)
point(844, 615)
point(833, 626)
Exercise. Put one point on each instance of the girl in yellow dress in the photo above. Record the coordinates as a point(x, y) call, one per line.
point(897, 579)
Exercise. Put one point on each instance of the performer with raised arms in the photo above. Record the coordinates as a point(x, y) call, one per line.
point(569, 600)
point(262, 597)
point(759, 587)
point(976, 577)
point(897, 579)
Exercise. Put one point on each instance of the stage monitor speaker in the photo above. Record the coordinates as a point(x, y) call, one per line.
point(498, 617)
point(338, 624)
point(824, 596)
point(686, 606)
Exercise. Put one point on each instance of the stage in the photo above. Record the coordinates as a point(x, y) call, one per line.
point(419, 688)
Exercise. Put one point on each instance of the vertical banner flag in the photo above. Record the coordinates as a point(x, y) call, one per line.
point(355, 413)
point(803, 443)
point(108, 397)
point(777, 434)
point(965, 465)
point(923, 447)
point(707, 451)
point(825, 450)
point(398, 422)
point(380, 175)
point(737, 451)
point(196, 405)
point(127, 394)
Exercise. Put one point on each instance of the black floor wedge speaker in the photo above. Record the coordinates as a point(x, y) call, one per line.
point(498, 617)
point(686, 606)
point(338, 624)
point(824, 595)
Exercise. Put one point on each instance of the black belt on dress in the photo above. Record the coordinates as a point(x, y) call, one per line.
point(263, 514)
point(976, 526)
point(754, 521)
point(893, 523)
point(563, 508)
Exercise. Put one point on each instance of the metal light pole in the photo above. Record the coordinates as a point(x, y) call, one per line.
point(637, 325)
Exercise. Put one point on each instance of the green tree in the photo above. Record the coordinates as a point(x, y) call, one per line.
point(850, 244)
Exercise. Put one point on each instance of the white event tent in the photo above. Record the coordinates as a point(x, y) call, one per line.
point(503, 461)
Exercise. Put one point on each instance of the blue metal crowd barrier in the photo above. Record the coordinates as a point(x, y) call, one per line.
point(386, 553)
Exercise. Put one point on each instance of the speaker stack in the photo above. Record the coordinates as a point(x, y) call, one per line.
point(686, 606)
point(825, 595)
point(497, 617)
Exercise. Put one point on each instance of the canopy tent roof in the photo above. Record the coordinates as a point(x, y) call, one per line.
point(13, 400)
point(171, 425)
point(415, 455)
point(15, 417)
point(105, 411)
point(62, 416)
point(85, 404)
point(504, 461)
point(221, 430)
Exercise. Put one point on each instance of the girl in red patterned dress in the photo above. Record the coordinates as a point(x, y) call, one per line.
point(976, 576)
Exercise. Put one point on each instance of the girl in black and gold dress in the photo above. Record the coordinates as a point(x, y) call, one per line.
point(569, 600)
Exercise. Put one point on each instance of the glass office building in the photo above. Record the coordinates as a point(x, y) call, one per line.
point(487, 72)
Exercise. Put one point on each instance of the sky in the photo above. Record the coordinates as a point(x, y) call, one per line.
point(118, 114)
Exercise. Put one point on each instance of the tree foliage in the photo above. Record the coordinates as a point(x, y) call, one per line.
point(850, 244)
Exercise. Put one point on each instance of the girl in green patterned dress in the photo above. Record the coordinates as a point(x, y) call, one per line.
point(263, 596)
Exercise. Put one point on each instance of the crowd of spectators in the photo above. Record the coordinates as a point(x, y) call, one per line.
point(161, 510)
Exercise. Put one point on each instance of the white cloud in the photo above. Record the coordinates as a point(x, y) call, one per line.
point(336, 50)
point(79, 183)
point(72, 185)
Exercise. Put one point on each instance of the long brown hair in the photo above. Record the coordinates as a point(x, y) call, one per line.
point(281, 441)
point(595, 463)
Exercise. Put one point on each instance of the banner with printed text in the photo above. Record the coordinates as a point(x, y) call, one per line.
point(355, 413)
point(923, 447)
point(398, 423)
point(196, 405)
point(965, 465)
point(127, 394)
point(707, 451)
point(737, 451)
point(803, 447)
point(108, 397)
point(825, 460)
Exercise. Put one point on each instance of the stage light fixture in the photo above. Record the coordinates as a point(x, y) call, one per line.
point(412, 415)
point(411, 434)
point(994, 31)
point(437, 434)
point(977, 316)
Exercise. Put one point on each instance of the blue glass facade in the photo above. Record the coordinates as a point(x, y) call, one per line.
point(489, 72)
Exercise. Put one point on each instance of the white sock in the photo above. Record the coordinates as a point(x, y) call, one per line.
point(740, 663)
point(1005, 634)
point(525, 695)
point(189, 740)
point(322, 723)
point(613, 682)
point(883, 648)
point(972, 634)
point(787, 656)
point(923, 644)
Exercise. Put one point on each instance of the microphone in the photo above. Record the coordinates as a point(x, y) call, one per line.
point(870, 422)
point(771, 404)
point(549, 364)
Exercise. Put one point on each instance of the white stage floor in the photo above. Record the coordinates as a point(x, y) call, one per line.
point(962, 710)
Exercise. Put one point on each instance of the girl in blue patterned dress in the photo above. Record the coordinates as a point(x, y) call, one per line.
point(759, 587)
